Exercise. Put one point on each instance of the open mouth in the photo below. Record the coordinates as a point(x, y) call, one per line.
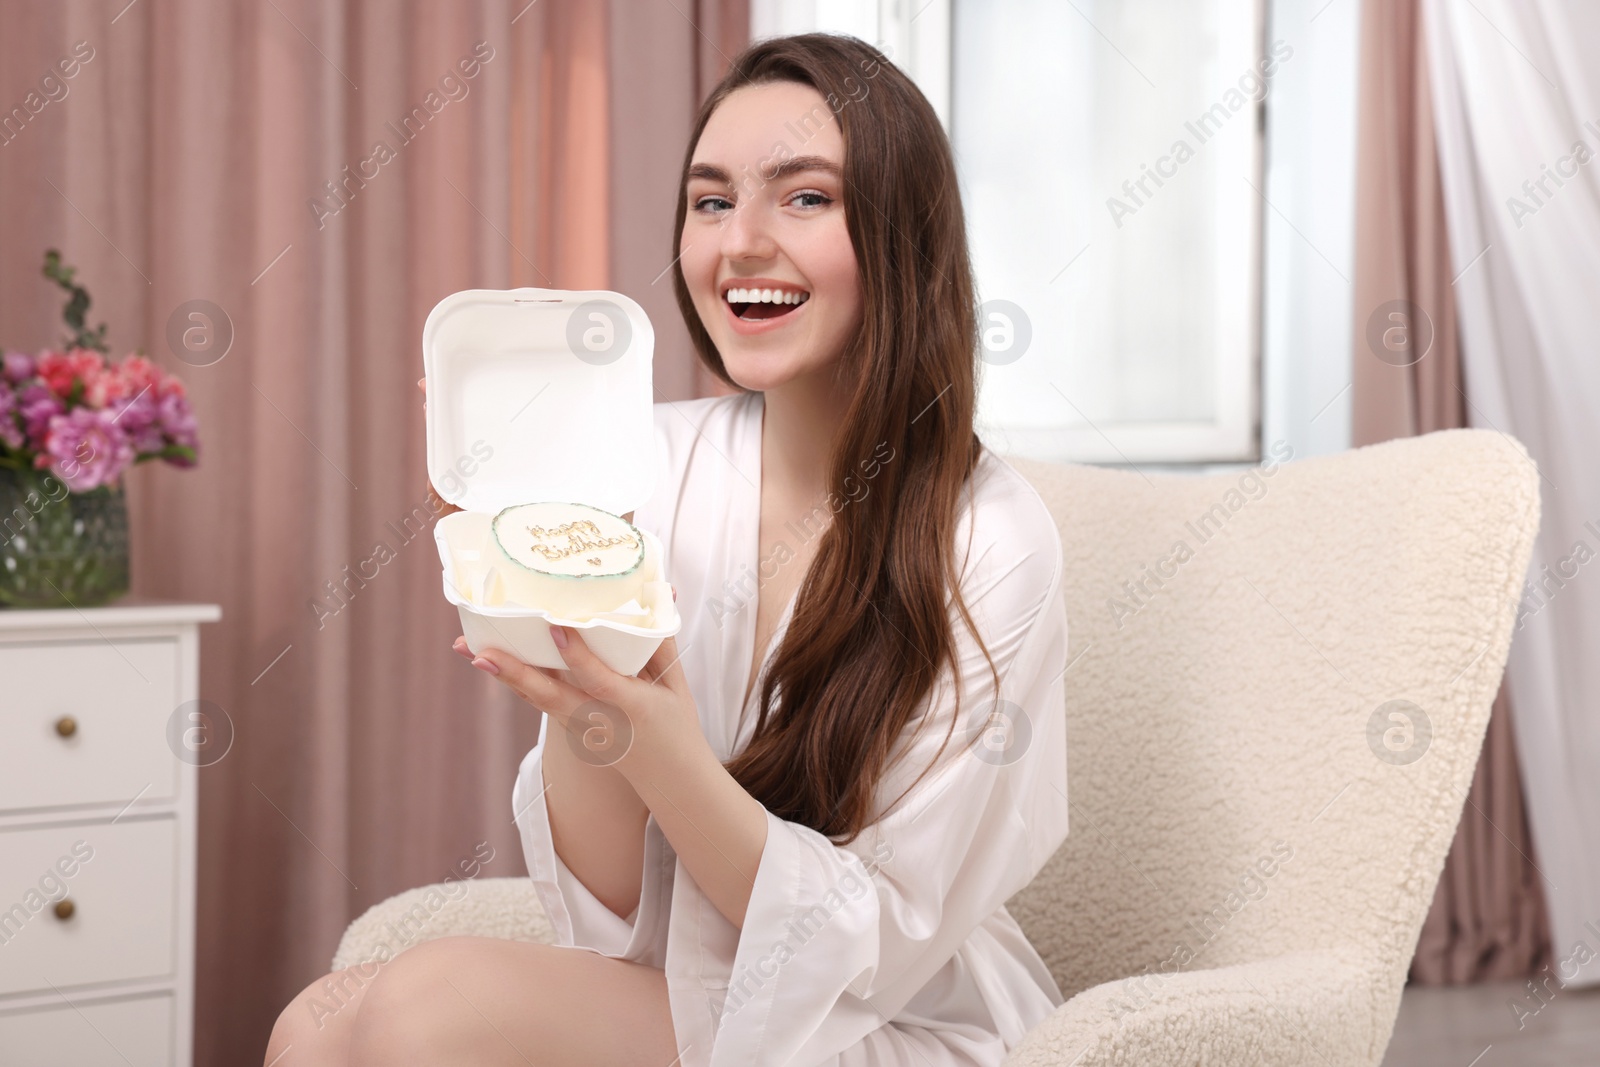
point(755, 304)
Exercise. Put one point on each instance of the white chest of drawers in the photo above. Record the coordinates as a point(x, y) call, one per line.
point(97, 833)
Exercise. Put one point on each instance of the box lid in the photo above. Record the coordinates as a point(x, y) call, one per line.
point(539, 394)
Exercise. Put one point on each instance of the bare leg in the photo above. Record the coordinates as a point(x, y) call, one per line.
point(485, 1001)
point(314, 1030)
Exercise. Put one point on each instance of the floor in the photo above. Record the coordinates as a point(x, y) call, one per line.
point(1476, 1026)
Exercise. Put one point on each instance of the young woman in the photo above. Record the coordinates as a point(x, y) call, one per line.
point(790, 840)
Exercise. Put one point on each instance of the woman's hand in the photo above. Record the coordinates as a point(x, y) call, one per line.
point(603, 712)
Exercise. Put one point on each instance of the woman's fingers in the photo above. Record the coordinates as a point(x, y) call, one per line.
point(635, 696)
point(586, 679)
point(589, 672)
point(535, 685)
point(665, 668)
point(584, 668)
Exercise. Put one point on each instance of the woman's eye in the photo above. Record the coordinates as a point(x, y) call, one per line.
point(818, 198)
point(703, 204)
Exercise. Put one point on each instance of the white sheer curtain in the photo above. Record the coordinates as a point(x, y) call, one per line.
point(1519, 147)
point(1109, 163)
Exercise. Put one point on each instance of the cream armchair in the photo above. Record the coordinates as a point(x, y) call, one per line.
point(1279, 682)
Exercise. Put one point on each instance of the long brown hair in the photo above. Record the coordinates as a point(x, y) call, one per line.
point(870, 626)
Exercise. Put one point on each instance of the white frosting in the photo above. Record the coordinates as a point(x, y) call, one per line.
point(574, 561)
point(568, 540)
point(481, 571)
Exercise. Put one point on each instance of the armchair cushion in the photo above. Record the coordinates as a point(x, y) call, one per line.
point(482, 907)
point(1309, 1008)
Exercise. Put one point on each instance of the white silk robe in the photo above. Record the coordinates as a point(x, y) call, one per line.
point(896, 949)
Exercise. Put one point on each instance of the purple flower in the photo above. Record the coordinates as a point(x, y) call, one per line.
point(10, 432)
point(16, 366)
point(140, 419)
point(37, 404)
point(87, 449)
point(180, 425)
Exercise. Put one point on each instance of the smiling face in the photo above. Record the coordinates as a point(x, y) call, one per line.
point(764, 251)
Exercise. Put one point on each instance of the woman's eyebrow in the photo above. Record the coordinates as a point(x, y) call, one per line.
point(792, 165)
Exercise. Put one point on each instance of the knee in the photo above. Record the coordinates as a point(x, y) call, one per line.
point(410, 1010)
point(309, 1020)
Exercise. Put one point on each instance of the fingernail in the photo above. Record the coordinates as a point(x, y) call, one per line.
point(558, 634)
point(485, 665)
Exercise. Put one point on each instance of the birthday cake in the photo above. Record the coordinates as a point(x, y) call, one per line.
point(572, 560)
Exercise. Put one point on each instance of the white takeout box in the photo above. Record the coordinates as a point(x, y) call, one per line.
point(534, 395)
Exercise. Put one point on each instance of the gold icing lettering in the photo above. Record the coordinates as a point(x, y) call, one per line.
point(579, 536)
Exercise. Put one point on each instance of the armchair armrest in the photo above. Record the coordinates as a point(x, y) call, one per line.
point(481, 907)
point(1302, 1008)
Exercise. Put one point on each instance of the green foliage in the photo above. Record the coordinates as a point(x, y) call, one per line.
point(77, 306)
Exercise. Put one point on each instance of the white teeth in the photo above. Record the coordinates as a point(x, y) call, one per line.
point(765, 296)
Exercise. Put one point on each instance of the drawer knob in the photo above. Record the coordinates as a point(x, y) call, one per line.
point(65, 908)
point(66, 726)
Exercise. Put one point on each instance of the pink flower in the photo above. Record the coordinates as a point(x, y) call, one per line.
point(88, 418)
point(103, 387)
point(139, 416)
point(86, 449)
point(16, 366)
point(56, 370)
point(137, 372)
point(180, 426)
point(10, 432)
point(61, 369)
point(36, 404)
point(86, 360)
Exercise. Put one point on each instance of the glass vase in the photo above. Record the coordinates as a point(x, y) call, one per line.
point(57, 548)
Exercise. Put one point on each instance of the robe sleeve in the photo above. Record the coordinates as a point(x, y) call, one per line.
point(874, 920)
point(577, 915)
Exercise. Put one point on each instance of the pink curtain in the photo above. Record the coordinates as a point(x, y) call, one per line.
point(229, 152)
point(658, 90)
point(1488, 917)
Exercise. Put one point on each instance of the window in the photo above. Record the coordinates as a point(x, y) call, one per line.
point(1110, 156)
